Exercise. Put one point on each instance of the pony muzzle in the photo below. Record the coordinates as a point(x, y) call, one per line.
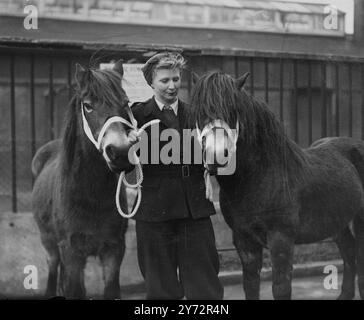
point(115, 149)
point(218, 143)
point(112, 141)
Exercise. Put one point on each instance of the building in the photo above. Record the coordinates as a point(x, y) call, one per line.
point(310, 76)
point(280, 43)
point(269, 16)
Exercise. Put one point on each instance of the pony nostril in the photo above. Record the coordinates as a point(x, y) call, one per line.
point(117, 154)
point(111, 152)
point(226, 152)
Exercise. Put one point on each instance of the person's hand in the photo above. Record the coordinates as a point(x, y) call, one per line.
point(133, 136)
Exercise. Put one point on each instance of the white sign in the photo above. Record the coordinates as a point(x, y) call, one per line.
point(134, 84)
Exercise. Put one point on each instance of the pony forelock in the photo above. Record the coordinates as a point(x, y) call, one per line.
point(215, 97)
point(105, 86)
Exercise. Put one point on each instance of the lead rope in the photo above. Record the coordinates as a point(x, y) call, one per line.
point(122, 177)
point(139, 180)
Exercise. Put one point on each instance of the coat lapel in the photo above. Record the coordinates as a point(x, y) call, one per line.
point(182, 115)
point(152, 111)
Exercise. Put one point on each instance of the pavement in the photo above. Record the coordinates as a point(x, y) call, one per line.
point(20, 247)
point(307, 288)
point(308, 283)
point(303, 288)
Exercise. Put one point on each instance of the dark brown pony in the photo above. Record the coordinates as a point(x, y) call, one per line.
point(279, 194)
point(74, 191)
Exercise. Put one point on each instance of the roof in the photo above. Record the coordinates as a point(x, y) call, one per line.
point(277, 5)
point(211, 42)
point(286, 6)
point(253, 17)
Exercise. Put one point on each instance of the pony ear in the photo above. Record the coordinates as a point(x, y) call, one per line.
point(118, 67)
point(195, 77)
point(80, 75)
point(240, 82)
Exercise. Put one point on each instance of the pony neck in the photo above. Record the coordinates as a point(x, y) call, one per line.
point(264, 149)
point(89, 167)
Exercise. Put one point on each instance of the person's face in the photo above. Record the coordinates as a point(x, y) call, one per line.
point(166, 84)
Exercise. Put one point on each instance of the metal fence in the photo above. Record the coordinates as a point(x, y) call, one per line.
point(313, 96)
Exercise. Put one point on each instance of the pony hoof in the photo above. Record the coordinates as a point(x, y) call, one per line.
point(346, 296)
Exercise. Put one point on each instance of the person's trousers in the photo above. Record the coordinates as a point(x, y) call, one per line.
point(185, 245)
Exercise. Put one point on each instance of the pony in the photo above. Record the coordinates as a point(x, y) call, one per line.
point(74, 190)
point(279, 194)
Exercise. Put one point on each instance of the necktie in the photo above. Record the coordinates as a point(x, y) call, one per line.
point(168, 109)
point(170, 116)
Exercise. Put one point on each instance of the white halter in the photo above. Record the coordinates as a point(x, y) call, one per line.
point(233, 134)
point(211, 184)
point(109, 121)
point(139, 173)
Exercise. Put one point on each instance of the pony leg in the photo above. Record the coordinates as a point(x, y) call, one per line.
point(61, 281)
point(346, 244)
point(73, 273)
point(359, 241)
point(281, 249)
point(251, 257)
point(49, 242)
point(111, 258)
point(74, 277)
point(53, 262)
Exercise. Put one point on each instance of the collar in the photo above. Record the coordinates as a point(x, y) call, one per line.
point(174, 105)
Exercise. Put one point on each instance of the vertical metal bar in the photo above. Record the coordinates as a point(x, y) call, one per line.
point(281, 75)
point(32, 108)
point(189, 84)
point(221, 63)
point(337, 89)
point(295, 103)
point(204, 63)
point(69, 78)
point(323, 98)
point(251, 66)
point(13, 135)
point(309, 70)
point(236, 67)
point(362, 100)
point(350, 71)
point(51, 100)
point(266, 75)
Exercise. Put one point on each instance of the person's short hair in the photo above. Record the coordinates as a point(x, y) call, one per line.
point(164, 60)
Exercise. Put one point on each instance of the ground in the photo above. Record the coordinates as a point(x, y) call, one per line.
point(308, 288)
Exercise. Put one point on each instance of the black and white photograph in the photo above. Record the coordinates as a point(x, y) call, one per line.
point(198, 151)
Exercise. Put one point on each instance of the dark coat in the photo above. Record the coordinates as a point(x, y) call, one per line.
point(167, 193)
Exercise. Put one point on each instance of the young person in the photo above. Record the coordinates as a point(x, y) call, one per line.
point(177, 255)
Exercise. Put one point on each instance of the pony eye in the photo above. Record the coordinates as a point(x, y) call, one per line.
point(87, 107)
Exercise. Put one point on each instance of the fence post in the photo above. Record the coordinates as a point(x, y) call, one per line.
point(13, 136)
